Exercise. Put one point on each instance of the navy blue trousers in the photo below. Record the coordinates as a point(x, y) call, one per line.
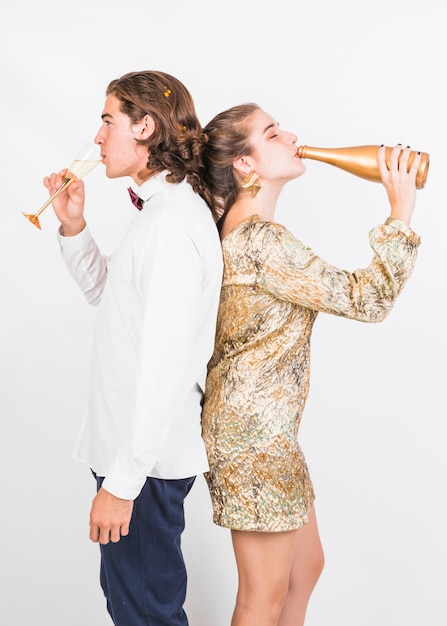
point(143, 576)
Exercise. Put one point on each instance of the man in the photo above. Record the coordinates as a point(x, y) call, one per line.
point(158, 295)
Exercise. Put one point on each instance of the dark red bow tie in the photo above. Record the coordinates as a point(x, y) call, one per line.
point(136, 200)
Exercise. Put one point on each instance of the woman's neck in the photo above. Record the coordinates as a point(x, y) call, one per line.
point(244, 208)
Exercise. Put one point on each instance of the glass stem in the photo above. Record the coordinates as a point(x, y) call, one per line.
point(64, 185)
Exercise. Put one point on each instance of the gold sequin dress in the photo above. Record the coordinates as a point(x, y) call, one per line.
point(258, 378)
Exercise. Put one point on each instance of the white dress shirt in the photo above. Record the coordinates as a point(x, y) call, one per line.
point(158, 296)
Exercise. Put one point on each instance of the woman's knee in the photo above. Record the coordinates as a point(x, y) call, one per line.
point(315, 566)
point(318, 564)
point(265, 601)
point(307, 568)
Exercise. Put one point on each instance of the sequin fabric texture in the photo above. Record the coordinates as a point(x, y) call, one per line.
point(258, 378)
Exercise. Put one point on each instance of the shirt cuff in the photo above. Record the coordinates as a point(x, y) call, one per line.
point(405, 229)
point(124, 487)
point(76, 242)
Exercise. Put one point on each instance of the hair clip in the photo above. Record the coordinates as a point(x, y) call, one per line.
point(167, 93)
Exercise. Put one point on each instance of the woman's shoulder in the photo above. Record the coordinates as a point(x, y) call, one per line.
point(256, 227)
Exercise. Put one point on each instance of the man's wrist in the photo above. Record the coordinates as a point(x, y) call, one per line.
point(72, 228)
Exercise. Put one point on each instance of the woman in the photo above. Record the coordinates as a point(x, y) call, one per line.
point(258, 378)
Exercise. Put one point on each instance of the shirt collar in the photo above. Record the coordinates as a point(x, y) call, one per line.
point(151, 186)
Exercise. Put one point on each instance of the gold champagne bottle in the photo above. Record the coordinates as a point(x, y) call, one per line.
point(362, 161)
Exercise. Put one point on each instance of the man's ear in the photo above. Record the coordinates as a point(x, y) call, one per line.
point(243, 165)
point(144, 128)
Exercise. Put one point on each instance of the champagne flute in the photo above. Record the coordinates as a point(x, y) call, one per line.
point(83, 163)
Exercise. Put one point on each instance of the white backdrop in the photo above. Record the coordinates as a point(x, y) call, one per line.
point(337, 74)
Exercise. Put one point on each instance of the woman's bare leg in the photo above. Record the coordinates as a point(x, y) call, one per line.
point(263, 561)
point(277, 573)
point(306, 568)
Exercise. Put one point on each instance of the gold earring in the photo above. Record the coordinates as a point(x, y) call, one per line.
point(251, 183)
